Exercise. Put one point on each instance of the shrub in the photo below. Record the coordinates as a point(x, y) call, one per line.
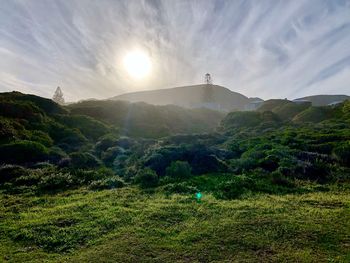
point(105, 142)
point(234, 188)
point(147, 178)
point(179, 169)
point(342, 153)
point(180, 188)
point(110, 154)
point(108, 183)
point(23, 152)
point(84, 160)
point(32, 178)
point(42, 165)
point(20, 110)
point(9, 173)
point(84, 176)
point(243, 164)
point(68, 139)
point(270, 163)
point(279, 179)
point(316, 170)
point(41, 137)
point(52, 181)
point(10, 129)
point(56, 154)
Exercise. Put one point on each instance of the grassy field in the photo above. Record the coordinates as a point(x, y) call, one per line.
point(130, 225)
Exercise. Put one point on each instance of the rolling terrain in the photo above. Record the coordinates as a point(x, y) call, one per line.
point(115, 181)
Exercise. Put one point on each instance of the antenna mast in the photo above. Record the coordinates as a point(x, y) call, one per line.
point(208, 79)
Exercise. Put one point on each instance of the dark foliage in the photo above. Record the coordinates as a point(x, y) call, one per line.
point(179, 170)
point(23, 152)
point(147, 178)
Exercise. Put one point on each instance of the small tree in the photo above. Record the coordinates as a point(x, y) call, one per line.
point(58, 96)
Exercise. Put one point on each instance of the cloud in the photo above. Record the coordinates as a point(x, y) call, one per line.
point(260, 48)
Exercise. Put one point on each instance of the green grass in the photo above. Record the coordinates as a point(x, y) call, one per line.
point(130, 225)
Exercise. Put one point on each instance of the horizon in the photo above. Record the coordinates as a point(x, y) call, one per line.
point(270, 49)
point(112, 98)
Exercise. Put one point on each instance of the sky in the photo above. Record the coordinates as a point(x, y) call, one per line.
point(267, 49)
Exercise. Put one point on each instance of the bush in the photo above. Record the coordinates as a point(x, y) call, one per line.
point(110, 154)
point(84, 176)
point(53, 181)
point(234, 188)
point(342, 153)
point(243, 164)
point(318, 170)
point(23, 152)
point(83, 160)
point(180, 188)
point(10, 129)
point(147, 178)
point(279, 179)
point(269, 163)
point(68, 139)
point(108, 183)
point(56, 154)
point(179, 169)
point(105, 142)
point(9, 173)
point(20, 110)
point(41, 137)
point(48, 178)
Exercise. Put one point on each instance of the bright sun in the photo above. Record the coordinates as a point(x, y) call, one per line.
point(137, 64)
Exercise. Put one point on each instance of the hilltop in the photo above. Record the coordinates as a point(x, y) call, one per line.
point(195, 96)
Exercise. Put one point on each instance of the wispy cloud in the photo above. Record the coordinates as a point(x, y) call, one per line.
point(260, 48)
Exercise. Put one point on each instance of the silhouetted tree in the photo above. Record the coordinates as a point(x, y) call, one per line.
point(58, 96)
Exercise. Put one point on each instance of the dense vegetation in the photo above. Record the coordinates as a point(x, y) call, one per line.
point(149, 121)
point(59, 166)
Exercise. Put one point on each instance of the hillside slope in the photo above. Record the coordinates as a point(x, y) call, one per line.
point(284, 109)
point(196, 96)
point(324, 100)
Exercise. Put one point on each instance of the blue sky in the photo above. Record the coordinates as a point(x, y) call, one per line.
point(268, 49)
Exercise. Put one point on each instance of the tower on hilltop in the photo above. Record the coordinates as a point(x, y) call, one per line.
point(208, 79)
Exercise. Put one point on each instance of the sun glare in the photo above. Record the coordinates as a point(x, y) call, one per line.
point(137, 64)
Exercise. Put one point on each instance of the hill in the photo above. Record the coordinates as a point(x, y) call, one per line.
point(273, 104)
point(284, 109)
point(196, 96)
point(44, 104)
point(324, 100)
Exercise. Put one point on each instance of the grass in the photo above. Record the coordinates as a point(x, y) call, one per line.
point(130, 225)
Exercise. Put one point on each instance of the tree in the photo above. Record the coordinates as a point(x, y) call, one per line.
point(58, 96)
